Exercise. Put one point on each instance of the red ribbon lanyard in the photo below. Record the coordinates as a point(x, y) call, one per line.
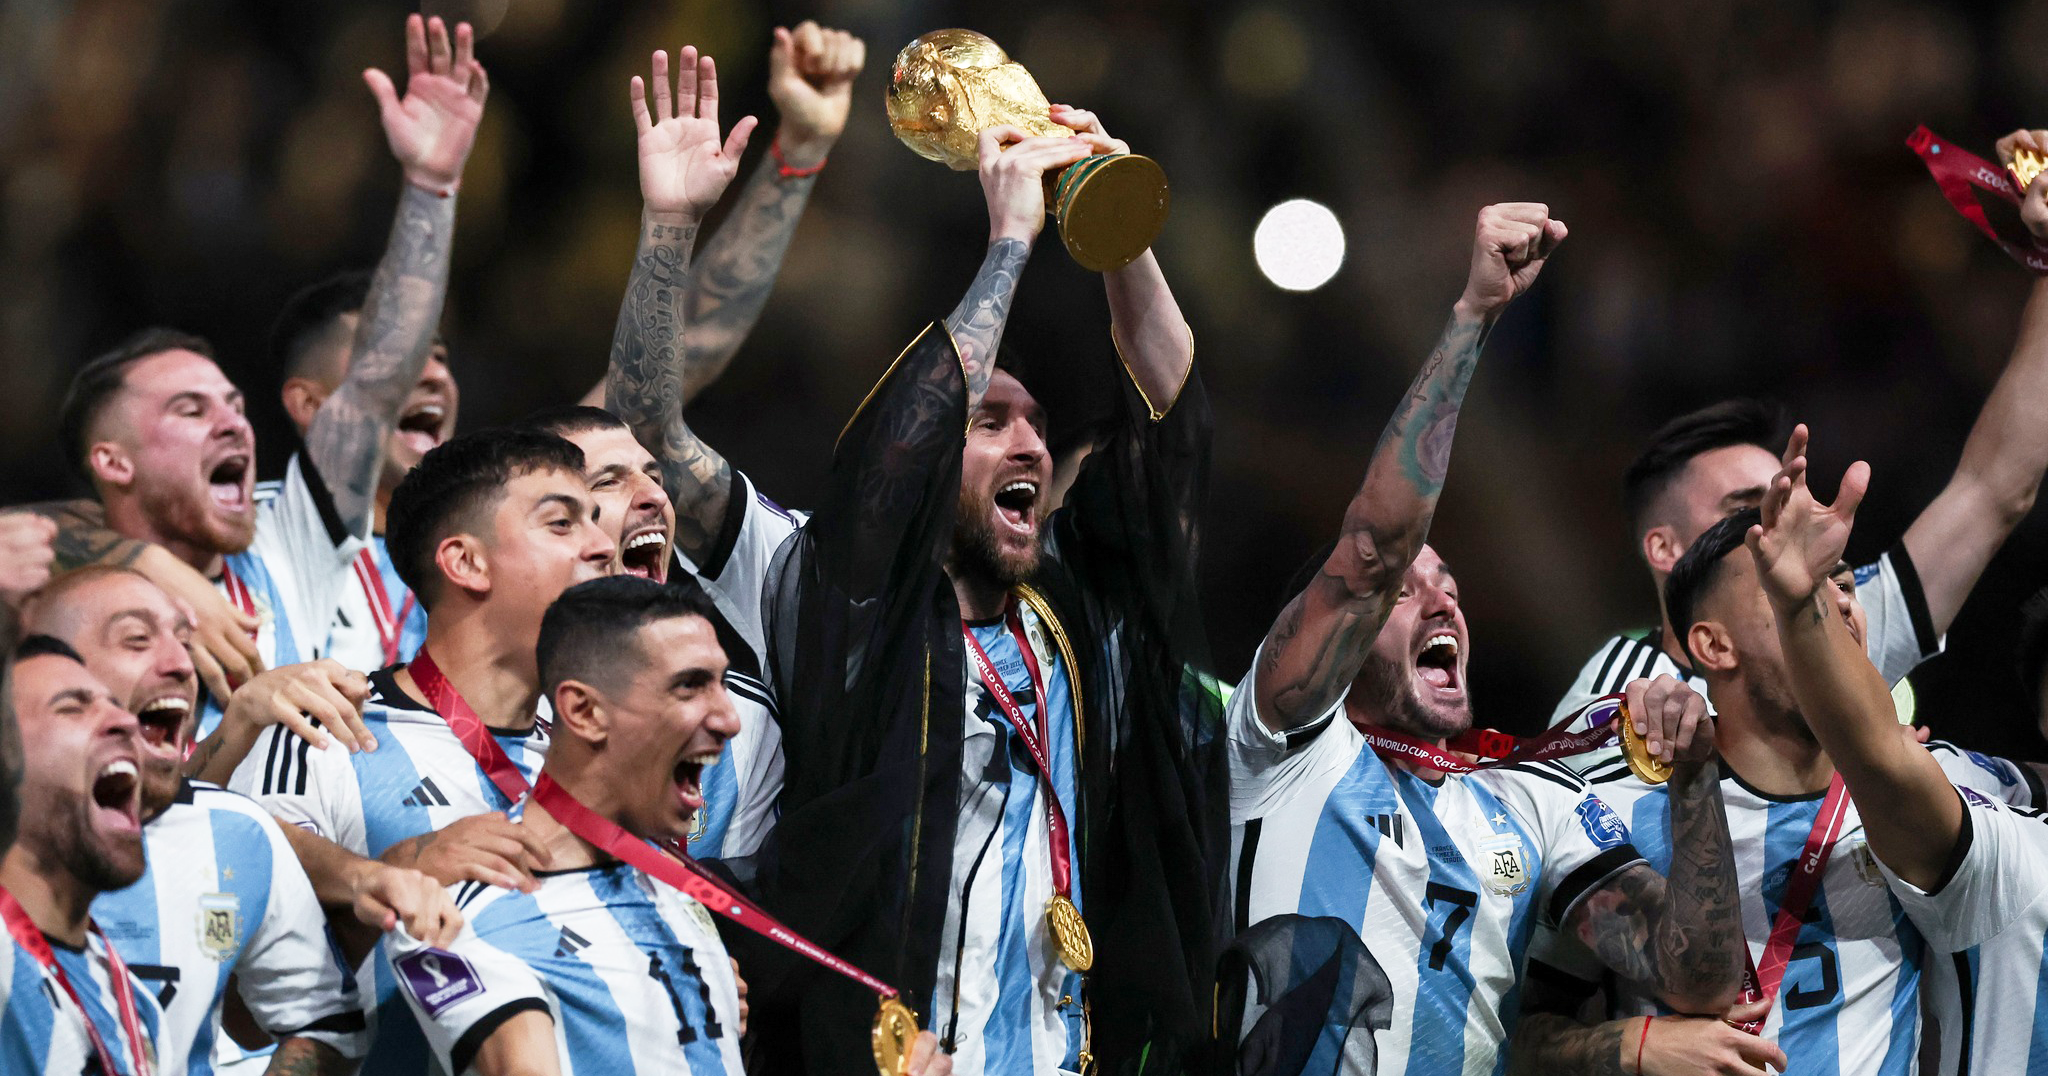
point(29, 937)
point(390, 626)
point(1498, 748)
point(237, 592)
point(1960, 174)
point(1760, 980)
point(672, 865)
point(1035, 739)
point(468, 728)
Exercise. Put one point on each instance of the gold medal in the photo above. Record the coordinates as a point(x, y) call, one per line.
point(1647, 767)
point(1070, 933)
point(2025, 166)
point(894, 1034)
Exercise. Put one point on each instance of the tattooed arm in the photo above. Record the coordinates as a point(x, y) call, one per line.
point(683, 169)
point(1547, 1043)
point(1316, 646)
point(306, 1057)
point(430, 131)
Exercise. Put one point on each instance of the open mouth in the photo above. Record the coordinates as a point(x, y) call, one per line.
point(420, 426)
point(162, 719)
point(689, 779)
point(1437, 662)
point(645, 554)
point(1017, 506)
point(227, 483)
point(117, 796)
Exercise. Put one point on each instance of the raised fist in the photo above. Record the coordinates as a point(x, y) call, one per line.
point(810, 79)
point(1509, 245)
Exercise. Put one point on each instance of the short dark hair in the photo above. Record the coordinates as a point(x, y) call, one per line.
point(38, 646)
point(1699, 567)
point(1741, 421)
point(585, 633)
point(96, 382)
point(452, 485)
point(568, 420)
point(309, 313)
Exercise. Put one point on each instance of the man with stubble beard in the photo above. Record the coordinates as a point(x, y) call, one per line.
point(68, 1004)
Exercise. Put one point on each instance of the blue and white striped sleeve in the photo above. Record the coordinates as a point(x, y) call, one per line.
point(463, 993)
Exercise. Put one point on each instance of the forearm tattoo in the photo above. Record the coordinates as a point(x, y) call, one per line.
point(394, 336)
point(1307, 661)
point(83, 536)
point(736, 273)
point(1546, 1044)
point(977, 323)
point(643, 384)
point(1683, 939)
point(306, 1057)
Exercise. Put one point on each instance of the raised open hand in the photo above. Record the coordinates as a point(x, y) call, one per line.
point(432, 128)
point(1800, 542)
point(683, 166)
point(1510, 243)
point(2034, 200)
point(810, 78)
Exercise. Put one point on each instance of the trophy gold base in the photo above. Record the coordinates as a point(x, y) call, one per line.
point(1110, 208)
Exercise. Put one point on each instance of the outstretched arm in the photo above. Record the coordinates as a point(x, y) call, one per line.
point(1995, 482)
point(1843, 697)
point(683, 169)
point(1681, 937)
point(1320, 639)
point(430, 130)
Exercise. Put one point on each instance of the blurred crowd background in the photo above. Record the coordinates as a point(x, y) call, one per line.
point(1745, 220)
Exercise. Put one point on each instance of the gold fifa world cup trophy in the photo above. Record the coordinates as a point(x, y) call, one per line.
point(950, 85)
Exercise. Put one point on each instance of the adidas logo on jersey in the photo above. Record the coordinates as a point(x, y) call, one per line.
point(1389, 825)
point(570, 943)
point(425, 794)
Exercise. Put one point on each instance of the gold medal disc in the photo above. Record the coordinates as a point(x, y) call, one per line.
point(1647, 767)
point(894, 1034)
point(1070, 933)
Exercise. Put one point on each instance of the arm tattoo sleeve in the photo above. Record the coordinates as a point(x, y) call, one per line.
point(643, 385)
point(393, 338)
point(83, 536)
point(724, 296)
point(306, 1057)
point(1683, 940)
point(977, 323)
point(1547, 1043)
point(1318, 642)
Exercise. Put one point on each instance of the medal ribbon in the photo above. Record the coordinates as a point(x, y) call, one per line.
point(237, 592)
point(27, 935)
point(468, 728)
point(1960, 174)
point(1497, 748)
point(1760, 979)
point(672, 865)
point(390, 627)
point(1035, 738)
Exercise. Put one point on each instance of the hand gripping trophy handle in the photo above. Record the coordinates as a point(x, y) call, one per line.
point(950, 85)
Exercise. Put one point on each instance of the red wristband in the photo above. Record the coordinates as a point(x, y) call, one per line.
point(783, 170)
point(1639, 1046)
point(438, 192)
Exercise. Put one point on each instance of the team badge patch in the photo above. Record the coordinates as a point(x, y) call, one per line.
point(438, 978)
point(219, 925)
point(700, 824)
point(1603, 827)
point(1502, 867)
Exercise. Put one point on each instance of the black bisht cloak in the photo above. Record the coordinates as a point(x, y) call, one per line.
point(865, 654)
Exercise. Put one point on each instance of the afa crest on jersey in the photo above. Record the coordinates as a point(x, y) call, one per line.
point(220, 925)
point(1503, 866)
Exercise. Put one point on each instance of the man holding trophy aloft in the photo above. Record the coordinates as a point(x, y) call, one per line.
point(997, 796)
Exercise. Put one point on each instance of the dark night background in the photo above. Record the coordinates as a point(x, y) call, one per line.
point(1744, 215)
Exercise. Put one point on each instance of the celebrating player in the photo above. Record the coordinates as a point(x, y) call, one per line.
point(68, 1004)
point(1340, 806)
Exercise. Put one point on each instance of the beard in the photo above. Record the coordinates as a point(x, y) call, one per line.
point(1388, 691)
point(67, 839)
point(191, 518)
point(1774, 705)
point(160, 783)
point(978, 551)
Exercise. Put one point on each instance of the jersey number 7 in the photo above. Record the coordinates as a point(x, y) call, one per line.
point(1460, 903)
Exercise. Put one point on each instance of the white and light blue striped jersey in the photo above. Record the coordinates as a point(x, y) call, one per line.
point(43, 1034)
point(741, 790)
point(630, 970)
point(353, 639)
point(1003, 999)
point(1899, 633)
point(1987, 924)
point(1445, 882)
point(420, 778)
point(1849, 1002)
point(293, 570)
point(224, 895)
